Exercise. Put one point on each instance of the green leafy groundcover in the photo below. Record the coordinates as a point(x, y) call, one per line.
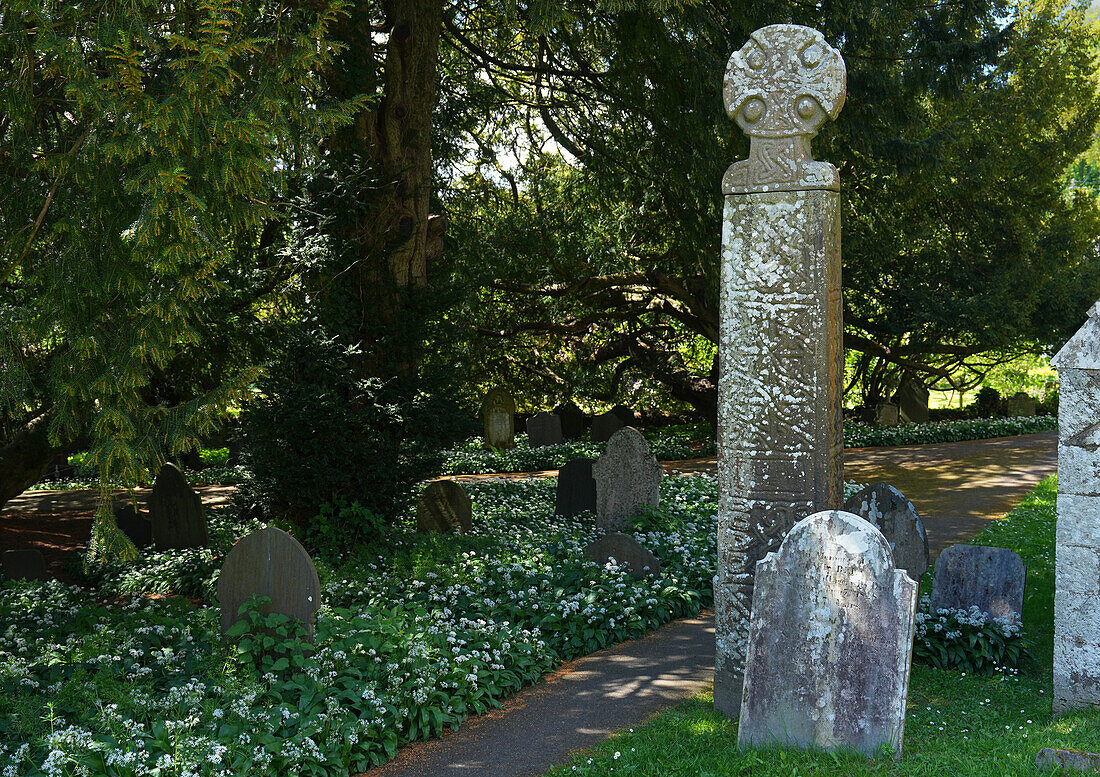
point(415, 633)
point(691, 441)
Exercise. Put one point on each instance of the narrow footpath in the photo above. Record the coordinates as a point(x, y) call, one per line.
point(956, 487)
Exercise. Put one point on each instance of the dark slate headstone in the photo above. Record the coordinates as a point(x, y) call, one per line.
point(271, 563)
point(574, 423)
point(1021, 404)
point(912, 399)
point(498, 412)
point(625, 414)
point(894, 515)
point(627, 551)
point(138, 529)
point(444, 506)
point(23, 564)
point(175, 512)
point(605, 425)
point(830, 639)
point(628, 479)
point(991, 579)
point(576, 488)
point(543, 429)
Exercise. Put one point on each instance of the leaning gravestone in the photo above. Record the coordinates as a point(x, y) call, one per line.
point(130, 522)
point(576, 488)
point(913, 402)
point(444, 506)
point(175, 512)
point(605, 425)
point(543, 429)
point(639, 562)
point(574, 422)
point(626, 414)
point(897, 519)
point(498, 412)
point(1077, 581)
point(780, 436)
point(628, 479)
point(830, 641)
point(27, 564)
point(991, 579)
point(270, 563)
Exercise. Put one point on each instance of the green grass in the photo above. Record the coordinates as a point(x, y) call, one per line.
point(956, 724)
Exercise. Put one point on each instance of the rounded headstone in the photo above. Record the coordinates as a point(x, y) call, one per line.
point(991, 579)
point(270, 563)
point(626, 414)
point(628, 479)
point(576, 488)
point(574, 423)
point(175, 512)
point(912, 399)
point(543, 429)
point(498, 412)
point(444, 506)
point(23, 564)
point(897, 519)
point(605, 425)
point(625, 549)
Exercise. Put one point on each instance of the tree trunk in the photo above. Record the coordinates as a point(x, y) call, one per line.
point(27, 456)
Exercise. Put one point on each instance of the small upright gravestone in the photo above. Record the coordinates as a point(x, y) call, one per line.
point(21, 564)
point(270, 563)
point(886, 414)
point(628, 478)
point(574, 422)
point(175, 512)
point(543, 429)
point(638, 561)
point(605, 425)
point(1021, 404)
point(897, 519)
point(991, 579)
point(830, 641)
point(498, 412)
point(444, 506)
point(913, 402)
point(576, 488)
point(130, 522)
point(626, 414)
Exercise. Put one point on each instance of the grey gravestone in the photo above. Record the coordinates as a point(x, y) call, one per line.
point(626, 414)
point(270, 563)
point(830, 641)
point(780, 436)
point(576, 488)
point(444, 506)
point(1077, 581)
point(574, 423)
point(638, 561)
point(912, 400)
point(886, 414)
point(543, 429)
point(23, 564)
point(498, 411)
point(991, 579)
point(897, 519)
point(1020, 404)
point(1067, 761)
point(130, 522)
point(628, 478)
point(605, 425)
point(175, 512)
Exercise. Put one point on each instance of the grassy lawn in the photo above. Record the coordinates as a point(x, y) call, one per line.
point(956, 724)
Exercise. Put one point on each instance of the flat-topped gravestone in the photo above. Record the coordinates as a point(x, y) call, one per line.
point(444, 506)
point(830, 641)
point(498, 411)
point(270, 563)
point(543, 429)
point(574, 423)
point(175, 512)
point(605, 425)
point(23, 564)
point(628, 479)
point(897, 519)
point(626, 550)
point(780, 345)
point(912, 400)
point(1021, 404)
point(886, 414)
point(133, 525)
point(576, 488)
point(991, 579)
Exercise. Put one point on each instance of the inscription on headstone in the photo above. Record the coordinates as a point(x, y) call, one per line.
point(628, 479)
point(991, 579)
point(625, 549)
point(444, 506)
point(270, 563)
point(498, 412)
point(23, 564)
point(1077, 560)
point(576, 488)
point(830, 642)
point(175, 512)
point(605, 425)
point(543, 429)
point(780, 349)
point(897, 519)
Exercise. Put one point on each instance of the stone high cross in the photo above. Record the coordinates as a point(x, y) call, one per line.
point(780, 347)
